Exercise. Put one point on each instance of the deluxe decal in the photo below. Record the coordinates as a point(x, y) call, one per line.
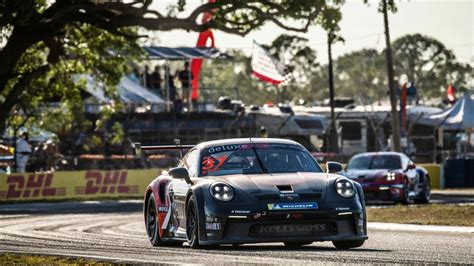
point(292, 206)
point(232, 147)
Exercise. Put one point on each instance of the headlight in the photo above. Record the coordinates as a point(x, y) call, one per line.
point(390, 176)
point(221, 191)
point(345, 188)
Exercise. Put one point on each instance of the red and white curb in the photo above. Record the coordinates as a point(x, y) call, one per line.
point(418, 228)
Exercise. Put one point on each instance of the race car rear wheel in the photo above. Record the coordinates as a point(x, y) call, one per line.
point(347, 244)
point(406, 193)
point(425, 193)
point(295, 244)
point(152, 222)
point(192, 218)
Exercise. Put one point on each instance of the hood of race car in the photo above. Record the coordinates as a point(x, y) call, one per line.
point(279, 183)
point(365, 173)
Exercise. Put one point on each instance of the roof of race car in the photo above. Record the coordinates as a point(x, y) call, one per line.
point(206, 144)
point(378, 153)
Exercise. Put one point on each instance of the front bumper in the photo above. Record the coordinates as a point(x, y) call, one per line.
point(253, 226)
point(392, 192)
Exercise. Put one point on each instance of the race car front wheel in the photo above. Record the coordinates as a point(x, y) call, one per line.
point(152, 222)
point(347, 244)
point(192, 218)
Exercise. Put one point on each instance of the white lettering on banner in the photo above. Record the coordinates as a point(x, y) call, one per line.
point(265, 65)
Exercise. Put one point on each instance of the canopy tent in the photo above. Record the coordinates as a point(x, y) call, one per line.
point(185, 53)
point(128, 92)
point(459, 116)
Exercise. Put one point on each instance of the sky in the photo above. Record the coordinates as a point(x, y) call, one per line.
point(449, 21)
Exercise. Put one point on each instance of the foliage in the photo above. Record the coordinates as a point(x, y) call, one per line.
point(361, 74)
point(45, 43)
point(429, 64)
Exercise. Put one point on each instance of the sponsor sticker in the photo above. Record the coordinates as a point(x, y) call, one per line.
point(162, 208)
point(293, 206)
point(213, 226)
point(240, 211)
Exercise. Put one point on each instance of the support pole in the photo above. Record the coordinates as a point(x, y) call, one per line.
point(391, 86)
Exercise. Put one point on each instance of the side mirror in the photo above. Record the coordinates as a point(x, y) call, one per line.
point(333, 167)
point(180, 173)
point(411, 166)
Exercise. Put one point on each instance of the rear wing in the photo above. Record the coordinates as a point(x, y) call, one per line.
point(178, 146)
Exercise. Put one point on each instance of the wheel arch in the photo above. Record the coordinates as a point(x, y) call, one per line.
point(197, 193)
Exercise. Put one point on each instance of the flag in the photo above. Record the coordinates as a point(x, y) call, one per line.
point(265, 67)
point(450, 94)
point(196, 63)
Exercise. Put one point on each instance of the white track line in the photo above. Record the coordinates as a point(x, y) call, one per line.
point(418, 228)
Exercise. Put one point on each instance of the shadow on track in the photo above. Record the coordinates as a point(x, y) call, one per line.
point(73, 207)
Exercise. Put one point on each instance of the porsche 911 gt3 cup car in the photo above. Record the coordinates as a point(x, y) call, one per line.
point(253, 190)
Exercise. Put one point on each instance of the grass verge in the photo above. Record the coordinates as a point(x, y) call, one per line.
point(13, 258)
point(432, 214)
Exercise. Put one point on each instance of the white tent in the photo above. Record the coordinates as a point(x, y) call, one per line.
point(459, 116)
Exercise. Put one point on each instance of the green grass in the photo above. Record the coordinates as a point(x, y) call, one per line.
point(11, 259)
point(432, 214)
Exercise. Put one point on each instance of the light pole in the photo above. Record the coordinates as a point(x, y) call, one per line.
point(391, 86)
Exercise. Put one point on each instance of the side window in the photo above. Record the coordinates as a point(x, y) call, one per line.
point(190, 161)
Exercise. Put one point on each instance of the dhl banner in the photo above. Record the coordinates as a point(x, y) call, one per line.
point(94, 184)
point(89, 184)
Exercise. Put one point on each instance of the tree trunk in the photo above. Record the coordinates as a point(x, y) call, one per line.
point(392, 90)
point(333, 139)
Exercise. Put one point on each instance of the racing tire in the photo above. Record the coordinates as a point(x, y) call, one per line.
point(297, 244)
point(151, 222)
point(192, 225)
point(425, 194)
point(347, 244)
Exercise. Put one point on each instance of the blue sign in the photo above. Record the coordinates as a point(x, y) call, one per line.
point(293, 206)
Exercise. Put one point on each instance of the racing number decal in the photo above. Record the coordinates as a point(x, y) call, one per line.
point(211, 164)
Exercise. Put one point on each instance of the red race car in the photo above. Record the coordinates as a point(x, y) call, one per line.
point(389, 176)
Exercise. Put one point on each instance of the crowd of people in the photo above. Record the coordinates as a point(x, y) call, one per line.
point(163, 84)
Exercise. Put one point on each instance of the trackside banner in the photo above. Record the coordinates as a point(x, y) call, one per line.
point(75, 184)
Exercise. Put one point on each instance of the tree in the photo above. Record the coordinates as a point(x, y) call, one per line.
point(300, 60)
point(360, 73)
point(429, 64)
point(48, 30)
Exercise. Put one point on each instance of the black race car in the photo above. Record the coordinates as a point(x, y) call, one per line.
point(239, 191)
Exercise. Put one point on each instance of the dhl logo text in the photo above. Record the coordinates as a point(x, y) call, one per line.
point(106, 183)
point(31, 186)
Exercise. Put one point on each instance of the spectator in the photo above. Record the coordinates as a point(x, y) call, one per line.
point(185, 77)
point(23, 152)
point(145, 78)
point(155, 81)
point(170, 87)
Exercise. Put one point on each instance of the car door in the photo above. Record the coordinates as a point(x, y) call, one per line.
point(180, 187)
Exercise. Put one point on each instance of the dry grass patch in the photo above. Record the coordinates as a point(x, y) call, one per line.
point(22, 259)
point(432, 214)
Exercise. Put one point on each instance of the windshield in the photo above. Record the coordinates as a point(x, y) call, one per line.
point(389, 162)
point(256, 159)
